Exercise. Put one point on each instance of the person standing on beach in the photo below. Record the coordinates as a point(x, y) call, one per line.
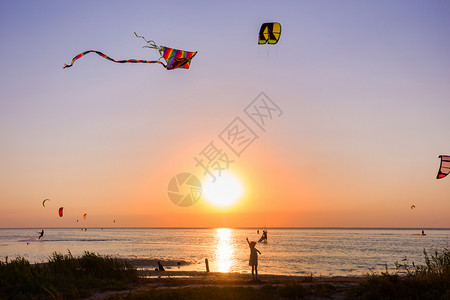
point(253, 258)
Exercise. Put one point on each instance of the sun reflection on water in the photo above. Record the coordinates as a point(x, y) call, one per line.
point(224, 250)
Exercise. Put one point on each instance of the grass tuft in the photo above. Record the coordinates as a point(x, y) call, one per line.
point(409, 281)
point(64, 276)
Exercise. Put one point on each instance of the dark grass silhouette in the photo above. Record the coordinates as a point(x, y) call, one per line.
point(409, 281)
point(64, 276)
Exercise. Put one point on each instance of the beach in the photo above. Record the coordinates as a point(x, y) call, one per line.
point(293, 264)
point(202, 283)
point(93, 276)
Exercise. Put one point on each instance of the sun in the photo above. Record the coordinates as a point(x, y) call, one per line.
point(225, 191)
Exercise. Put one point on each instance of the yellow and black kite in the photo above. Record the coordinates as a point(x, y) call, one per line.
point(269, 33)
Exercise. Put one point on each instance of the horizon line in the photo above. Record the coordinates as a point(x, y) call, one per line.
point(204, 227)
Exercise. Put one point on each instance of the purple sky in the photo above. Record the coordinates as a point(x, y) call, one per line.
point(363, 85)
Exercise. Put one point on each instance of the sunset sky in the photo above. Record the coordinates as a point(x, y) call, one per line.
point(362, 88)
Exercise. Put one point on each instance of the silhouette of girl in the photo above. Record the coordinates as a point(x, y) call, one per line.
point(253, 258)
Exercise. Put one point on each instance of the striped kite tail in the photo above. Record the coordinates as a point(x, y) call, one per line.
point(109, 58)
point(81, 55)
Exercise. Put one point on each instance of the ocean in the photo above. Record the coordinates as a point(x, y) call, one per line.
point(293, 251)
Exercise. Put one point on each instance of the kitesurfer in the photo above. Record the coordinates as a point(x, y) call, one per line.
point(264, 235)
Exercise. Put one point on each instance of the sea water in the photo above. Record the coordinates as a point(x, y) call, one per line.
point(297, 251)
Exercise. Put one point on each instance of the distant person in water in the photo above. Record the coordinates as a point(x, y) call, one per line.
point(41, 234)
point(265, 235)
point(253, 258)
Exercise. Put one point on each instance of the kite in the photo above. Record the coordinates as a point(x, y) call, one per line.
point(43, 202)
point(444, 169)
point(175, 59)
point(60, 211)
point(413, 206)
point(84, 216)
point(269, 33)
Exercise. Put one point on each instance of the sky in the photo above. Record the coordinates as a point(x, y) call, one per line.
point(357, 109)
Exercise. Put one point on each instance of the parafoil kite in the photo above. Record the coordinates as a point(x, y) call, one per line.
point(43, 202)
point(175, 59)
point(269, 33)
point(84, 216)
point(413, 206)
point(444, 169)
point(60, 211)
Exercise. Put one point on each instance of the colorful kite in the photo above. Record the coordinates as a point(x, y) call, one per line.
point(175, 59)
point(444, 169)
point(43, 202)
point(60, 211)
point(84, 216)
point(269, 33)
point(413, 206)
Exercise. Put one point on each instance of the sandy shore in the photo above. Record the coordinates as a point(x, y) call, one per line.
point(338, 285)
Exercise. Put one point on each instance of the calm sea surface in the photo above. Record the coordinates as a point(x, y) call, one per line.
point(288, 251)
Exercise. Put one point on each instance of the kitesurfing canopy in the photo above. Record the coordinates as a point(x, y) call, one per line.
point(84, 216)
point(60, 211)
point(175, 59)
point(43, 202)
point(269, 33)
point(444, 169)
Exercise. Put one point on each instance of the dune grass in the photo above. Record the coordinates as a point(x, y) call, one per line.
point(408, 281)
point(64, 276)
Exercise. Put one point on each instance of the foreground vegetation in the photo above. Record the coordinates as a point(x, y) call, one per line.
point(64, 276)
point(409, 281)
